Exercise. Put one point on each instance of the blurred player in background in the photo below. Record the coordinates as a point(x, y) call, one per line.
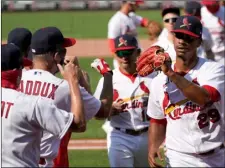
point(21, 37)
point(165, 39)
point(125, 21)
point(127, 139)
point(213, 18)
point(193, 8)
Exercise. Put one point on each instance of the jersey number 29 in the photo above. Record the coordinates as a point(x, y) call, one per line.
point(211, 116)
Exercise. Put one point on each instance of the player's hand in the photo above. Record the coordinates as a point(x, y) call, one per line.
point(101, 66)
point(166, 68)
point(70, 71)
point(152, 155)
point(117, 107)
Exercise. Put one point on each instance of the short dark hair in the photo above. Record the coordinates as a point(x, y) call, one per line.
point(174, 10)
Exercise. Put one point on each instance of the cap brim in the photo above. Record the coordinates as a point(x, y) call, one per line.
point(27, 62)
point(124, 48)
point(68, 42)
point(186, 32)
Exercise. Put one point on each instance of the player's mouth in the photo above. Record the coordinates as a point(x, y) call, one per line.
point(182, 49)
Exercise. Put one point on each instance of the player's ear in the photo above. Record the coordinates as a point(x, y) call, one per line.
point(199, 42)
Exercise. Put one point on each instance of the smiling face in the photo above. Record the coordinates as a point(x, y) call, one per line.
point(186, 46)
point(127, 58)
point(169, 21)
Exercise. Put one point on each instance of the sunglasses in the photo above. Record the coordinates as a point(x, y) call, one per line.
point(185, 37)
point(124, 53)
point(170, 20)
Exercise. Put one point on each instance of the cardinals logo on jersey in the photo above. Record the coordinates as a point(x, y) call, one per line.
point(122, 42)
point(185, 23)
point(189, 107)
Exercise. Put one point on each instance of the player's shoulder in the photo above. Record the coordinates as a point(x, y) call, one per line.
point(115, 18)
point(117, 74)
point(209, 65)
point(41, 75)
point(204, 10)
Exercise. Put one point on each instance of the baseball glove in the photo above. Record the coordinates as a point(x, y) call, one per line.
point(154, 29)
point(151, 60)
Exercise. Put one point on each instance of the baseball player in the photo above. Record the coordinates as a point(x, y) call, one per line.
point(186, 104)
point(213, 18)
point(165, 39)
point(21, 37)
point(127, 140)
point(193, 8)
point(48, 48)
point(24, 117)
point(124, 21)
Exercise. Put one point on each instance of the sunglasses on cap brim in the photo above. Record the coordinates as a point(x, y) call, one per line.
point(125, 53)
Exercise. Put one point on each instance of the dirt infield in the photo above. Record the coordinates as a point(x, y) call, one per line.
point(90, 144)
point(95, 47)
point(87, 144)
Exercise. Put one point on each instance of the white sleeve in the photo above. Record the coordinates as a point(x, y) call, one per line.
point(207, 40)
point(136, 18)
point(62, 97)
point(214, 77)
point(50, 118)
point(98, 89)
point(113, 29)
point(91, 104)
point(154, 109)
point(63, 100)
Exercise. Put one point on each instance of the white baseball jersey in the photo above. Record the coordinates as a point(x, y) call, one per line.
point(207, 43)
point(190, 128)
point(215, 24)
point(163, 34)
point(134, 91)
point(121, 24)
point(23, 120)
point(42, 83)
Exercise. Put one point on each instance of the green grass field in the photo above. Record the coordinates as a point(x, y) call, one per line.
point(92, 158)
point(79, 24)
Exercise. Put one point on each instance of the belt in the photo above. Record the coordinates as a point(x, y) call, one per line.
point(211, 151)
point(132, 132)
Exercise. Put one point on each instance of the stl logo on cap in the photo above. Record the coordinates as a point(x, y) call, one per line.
point(122, 42)
point(185, 23)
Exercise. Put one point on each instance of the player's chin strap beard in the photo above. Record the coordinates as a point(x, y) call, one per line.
point(10, 78)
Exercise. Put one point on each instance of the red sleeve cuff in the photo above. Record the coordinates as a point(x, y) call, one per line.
point(144, 22)
point(213, 93)
point(157, 121)
point(111, 45)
